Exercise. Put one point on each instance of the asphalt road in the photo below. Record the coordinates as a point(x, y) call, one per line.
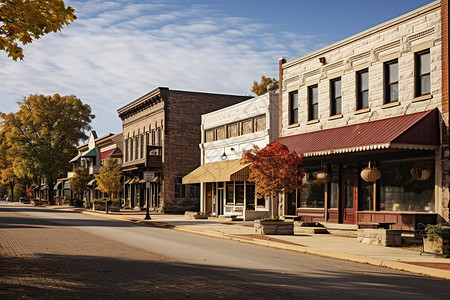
point(51, 254)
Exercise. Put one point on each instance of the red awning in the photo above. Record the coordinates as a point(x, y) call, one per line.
point(104, 154)
point(414, 131)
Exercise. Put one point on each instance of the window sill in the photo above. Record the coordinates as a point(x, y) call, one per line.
point(312, 122)
point(293, 125)
point(339, 116)
point(422, 98)
point(362, 111)
point(392, 104)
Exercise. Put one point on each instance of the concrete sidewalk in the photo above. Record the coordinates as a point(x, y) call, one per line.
point(326, 245)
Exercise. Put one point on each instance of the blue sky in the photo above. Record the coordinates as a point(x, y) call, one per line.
point(116, 51)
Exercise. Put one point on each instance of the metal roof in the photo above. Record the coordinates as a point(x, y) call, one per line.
point(414, 131)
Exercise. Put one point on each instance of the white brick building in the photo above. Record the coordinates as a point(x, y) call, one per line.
point(226, 133)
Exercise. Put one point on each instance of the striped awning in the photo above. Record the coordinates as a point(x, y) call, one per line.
point(419, 131)
point(229, 170)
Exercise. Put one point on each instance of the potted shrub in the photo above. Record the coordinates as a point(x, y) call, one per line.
point(436, 240)
point(273, 226)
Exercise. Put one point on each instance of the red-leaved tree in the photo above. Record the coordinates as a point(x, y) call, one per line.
point(274, 169)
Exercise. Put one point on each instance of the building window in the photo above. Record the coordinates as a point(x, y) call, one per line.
point(142, 146)
point(362, 82)
point(194, 191)
point(126, 150)
point(153, 137)
point(131, 149)
point(313, 102)
point(423, 73)
point(336, 97)
point(400, 191)
point(147, 137)
point(159, 136)
point(391, 81)
point(293, 107)
point(136, 147)
point(179, 188)
point(313, 194)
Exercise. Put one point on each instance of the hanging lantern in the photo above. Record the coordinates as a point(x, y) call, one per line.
point(420, 174)
point(370, 174)
point(322, 177)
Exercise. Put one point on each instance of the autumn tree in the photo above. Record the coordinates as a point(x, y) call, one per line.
point(21, 21)
point(108, 179)
point(42, 136)
point(80, 180)
point(274, 169)
point(7, 175)
point(267, 84)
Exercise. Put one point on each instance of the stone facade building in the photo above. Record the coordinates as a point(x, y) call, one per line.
point(226, 133)
point(161, 133)
point(380, 96)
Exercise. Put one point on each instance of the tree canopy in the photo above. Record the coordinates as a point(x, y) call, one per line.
point(21, 21)
point(274, 169)
point(80, 180)
point(108, 179)
point(267, 84)
point(42, 136)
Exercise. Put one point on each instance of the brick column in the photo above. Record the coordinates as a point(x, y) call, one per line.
point(280, 95)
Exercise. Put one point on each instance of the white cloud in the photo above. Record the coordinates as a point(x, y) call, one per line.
point(117, 51)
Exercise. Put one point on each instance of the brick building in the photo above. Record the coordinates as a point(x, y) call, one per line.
point(380, 96)
point(161, 134)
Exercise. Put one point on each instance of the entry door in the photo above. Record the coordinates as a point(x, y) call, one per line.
point(349, 188)
point(219, 201)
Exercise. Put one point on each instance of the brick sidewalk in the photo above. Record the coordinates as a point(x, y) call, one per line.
point(40, 260)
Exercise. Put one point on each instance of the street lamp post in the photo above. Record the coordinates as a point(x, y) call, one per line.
point(147, 211)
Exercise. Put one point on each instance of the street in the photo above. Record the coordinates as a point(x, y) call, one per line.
point(52, 254)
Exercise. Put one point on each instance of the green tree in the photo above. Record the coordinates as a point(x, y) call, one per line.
point(267, 84)
point(108, 179)
point(80, 180)
point(42, 136)
point(21, 21)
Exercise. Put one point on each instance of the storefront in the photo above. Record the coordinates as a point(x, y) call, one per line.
point(405, 173)
point(225, 190)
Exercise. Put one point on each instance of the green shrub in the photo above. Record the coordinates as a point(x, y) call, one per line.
point(77, 202)
point(102, 200)
point(434, 230)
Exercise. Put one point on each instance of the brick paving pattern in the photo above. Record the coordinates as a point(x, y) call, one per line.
point(41, 260)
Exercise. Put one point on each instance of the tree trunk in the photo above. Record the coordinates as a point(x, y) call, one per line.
point(11, 185)
point(51, 198)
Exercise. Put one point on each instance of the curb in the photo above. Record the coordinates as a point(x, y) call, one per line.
point(396, 265)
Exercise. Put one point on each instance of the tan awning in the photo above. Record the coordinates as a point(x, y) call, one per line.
point(229, 170)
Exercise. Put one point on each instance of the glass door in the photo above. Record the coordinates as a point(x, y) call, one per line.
point(349, 188)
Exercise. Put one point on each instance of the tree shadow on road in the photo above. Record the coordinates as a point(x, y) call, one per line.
point(96, 277)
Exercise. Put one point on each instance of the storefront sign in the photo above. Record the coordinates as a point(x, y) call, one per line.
point(149, 176)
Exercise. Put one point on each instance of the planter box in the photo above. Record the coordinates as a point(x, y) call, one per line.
point(274, 227)
point(101, 207)
point(436, 245)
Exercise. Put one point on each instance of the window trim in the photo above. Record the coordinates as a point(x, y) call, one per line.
point(310, 104)
point(293, 110)
point(334, 98)
point(359, 91)
point(388, 84)
point(418, 76)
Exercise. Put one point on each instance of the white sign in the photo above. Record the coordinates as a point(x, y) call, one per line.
point(149, 176)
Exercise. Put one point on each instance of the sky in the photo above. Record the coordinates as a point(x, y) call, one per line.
point(117, 51)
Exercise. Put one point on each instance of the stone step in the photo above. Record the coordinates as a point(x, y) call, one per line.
point(310, 230)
